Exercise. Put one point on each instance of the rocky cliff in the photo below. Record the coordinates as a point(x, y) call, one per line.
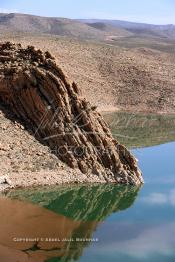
point(38, 92)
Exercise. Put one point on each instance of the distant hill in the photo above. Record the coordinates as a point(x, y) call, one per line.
point(55, 26)
point(90, 29)
point(112, 30)
point(167, 31)
point(134, 72)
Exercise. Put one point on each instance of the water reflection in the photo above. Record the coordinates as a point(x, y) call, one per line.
point(141, 130)
point(61, 214)
point(144, 232)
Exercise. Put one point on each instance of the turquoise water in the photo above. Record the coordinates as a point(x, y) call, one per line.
point(146, 230)
point(106, 222)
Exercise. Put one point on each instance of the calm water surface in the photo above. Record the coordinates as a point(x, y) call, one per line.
point(120, 223)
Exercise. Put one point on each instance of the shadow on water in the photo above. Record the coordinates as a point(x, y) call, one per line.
point(136, 130)
point(68, 215)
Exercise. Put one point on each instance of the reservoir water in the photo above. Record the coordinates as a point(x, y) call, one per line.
point(94, 223)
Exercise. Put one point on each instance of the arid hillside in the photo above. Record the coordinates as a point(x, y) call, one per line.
point(114, 77)
point(31, 24)
point(117, 64)
point(165, 31)
point(83, 29)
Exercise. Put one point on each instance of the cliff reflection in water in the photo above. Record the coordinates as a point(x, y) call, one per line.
point(136, 130)
point(67, 212)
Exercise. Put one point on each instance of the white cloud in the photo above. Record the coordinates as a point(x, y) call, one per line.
point(157, 240)
point(160, 198)
point(155, 198)
point(8, 11)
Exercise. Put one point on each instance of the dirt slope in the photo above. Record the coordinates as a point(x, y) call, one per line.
point(138, 79)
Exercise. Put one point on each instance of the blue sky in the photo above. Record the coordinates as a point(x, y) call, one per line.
point(149, 11)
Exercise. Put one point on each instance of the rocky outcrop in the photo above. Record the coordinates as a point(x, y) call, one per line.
point(38, 92)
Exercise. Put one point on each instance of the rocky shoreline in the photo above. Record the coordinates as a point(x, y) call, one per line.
point(23, 180)
point(51, 171)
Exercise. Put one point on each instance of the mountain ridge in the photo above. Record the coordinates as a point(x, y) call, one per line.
point(15, 22)
point(94, 29)
point(167, 30)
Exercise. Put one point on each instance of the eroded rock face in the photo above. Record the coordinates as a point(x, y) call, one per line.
point(38, 92)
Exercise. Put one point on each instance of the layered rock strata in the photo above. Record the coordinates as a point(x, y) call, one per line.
point(38, 92)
